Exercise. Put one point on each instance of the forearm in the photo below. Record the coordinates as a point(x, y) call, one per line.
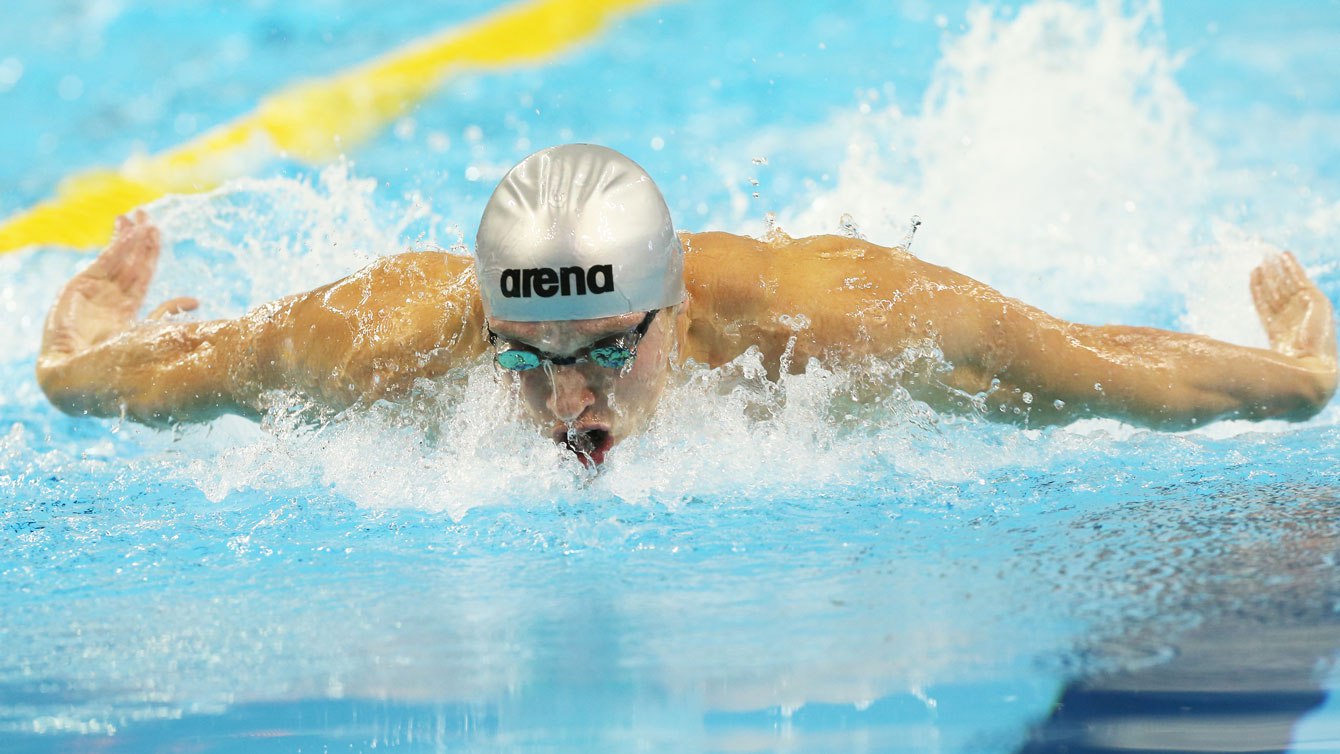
point(157, 374)
point(1156, 378)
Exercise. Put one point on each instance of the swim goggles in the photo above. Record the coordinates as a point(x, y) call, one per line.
point(616, 355)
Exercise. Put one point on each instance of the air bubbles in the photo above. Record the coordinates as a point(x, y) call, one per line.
point(760, 160)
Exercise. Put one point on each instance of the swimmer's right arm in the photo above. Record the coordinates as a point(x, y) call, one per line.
point(368, 335)
point(96, 360)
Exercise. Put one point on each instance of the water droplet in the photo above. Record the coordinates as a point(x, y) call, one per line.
point(404, 129)
point(849, 228)
point(439, 142)
point(913, 224)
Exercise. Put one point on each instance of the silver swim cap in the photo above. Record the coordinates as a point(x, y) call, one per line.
point(577, 232)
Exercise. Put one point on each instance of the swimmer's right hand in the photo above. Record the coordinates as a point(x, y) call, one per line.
point(102, 300)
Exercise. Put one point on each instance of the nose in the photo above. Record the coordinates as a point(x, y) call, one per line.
point(571, 394)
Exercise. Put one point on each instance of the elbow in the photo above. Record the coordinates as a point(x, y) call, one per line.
point(1303, 397)
point(1295, 401)
point(70, 391)
point(54, 379)
point(1312, 395)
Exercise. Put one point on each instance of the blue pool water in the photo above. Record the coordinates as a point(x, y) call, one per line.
point(773, 567)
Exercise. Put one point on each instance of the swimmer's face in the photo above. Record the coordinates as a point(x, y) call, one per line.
point(603, 405)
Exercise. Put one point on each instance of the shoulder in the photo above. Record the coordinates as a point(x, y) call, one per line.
point(716, 245)
point(420, 266)
point(404, 278)
point(717, 258)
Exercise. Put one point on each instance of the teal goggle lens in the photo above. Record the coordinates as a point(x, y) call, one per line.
point(611, 357)
point(518, 361)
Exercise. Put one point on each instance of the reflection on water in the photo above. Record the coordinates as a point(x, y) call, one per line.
point(1243, 678)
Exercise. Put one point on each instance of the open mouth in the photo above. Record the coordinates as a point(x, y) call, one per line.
point(588, 443)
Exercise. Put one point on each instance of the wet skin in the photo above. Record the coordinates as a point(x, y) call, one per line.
point(839, 300)
point(586, 406)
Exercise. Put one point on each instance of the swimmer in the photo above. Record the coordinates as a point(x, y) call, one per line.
point(586, 299)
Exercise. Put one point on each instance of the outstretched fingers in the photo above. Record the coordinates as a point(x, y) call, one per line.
point(1296, 315)
point(102, 300)
point(174, 306)
point(1294, 273)
point(130, 260)
point(1265, 288)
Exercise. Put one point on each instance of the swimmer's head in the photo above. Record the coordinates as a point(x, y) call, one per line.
point(577, 232)
point(577, 263)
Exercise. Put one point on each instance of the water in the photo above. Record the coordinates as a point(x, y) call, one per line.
point(773, 566)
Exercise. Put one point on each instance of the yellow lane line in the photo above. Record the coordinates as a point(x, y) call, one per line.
point(313, 121)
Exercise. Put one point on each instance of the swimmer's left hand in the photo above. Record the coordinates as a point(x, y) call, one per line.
point(1297, 316)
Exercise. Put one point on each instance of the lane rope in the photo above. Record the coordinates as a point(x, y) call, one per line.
point(312, 121)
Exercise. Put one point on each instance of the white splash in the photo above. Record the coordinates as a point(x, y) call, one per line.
point(256, 240)
point(1056, 158)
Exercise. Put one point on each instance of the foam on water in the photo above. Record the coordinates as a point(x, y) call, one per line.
point(1054, 157)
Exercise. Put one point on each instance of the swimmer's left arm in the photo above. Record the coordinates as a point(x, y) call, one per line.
point(1051, 371)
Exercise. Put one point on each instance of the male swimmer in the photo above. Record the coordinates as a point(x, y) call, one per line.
point(584, 295)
